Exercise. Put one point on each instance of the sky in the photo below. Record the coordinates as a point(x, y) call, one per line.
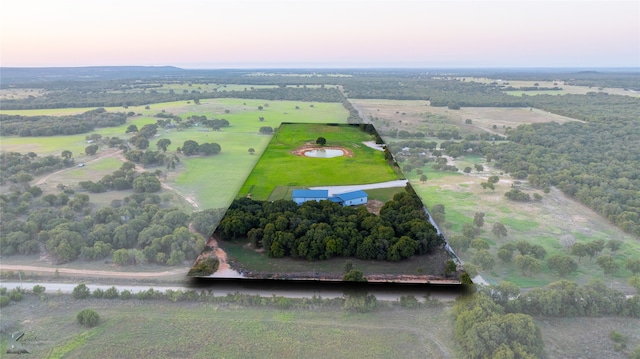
point(321, 34)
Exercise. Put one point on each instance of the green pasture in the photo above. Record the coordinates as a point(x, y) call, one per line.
point(278, 166)
point(383, 194)
point(164, 329)
point(542, 222)
point(245, 113)
point(213, 181)
point(54, 145)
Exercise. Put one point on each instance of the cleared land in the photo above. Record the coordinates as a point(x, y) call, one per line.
point(419, 116)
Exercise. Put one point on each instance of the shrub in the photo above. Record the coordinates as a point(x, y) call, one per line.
point(38, 289)
point(15, 295)
point(98, 293)
point(88, 317)
point(111, 293)
point(81, 292)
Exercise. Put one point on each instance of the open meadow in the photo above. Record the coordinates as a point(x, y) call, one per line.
point(164, 329)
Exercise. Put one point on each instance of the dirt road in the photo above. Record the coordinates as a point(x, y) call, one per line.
point(93, 273)
point(112, 153)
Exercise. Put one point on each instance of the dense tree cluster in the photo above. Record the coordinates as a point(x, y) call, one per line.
point(134, 230)
point(26, 126)
point(146, 158)
point(191, 148)
point(20, 168)
point(598, 163)
point(123, 179)
point(322, 230)
point(485, 330)
point(142, 136)
point(567, 299)
point(496, 321)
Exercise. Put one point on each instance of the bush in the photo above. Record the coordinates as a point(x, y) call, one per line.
point(15, 295)
point(81, 292)
point(88, 317)
point(360, 302)
point(111, 293)
point(409, 301)
point(4, 301)
point(125, 295)
point(38, 289)
point(98, 293)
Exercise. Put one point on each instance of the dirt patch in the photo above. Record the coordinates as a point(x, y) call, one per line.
point(224, 268)
point(92, 273)
point(310, 147)
point(374, 206)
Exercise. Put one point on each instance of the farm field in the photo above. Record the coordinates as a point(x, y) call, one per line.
point(163, 329)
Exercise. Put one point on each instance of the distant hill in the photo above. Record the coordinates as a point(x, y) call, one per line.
point(21, 75)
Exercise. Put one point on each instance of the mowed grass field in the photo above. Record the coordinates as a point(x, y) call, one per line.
point(165, 329)
point(278, 166)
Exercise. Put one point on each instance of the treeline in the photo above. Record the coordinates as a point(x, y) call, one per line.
point(20, 168)
point(598, 163)
point(26, 126)
point(439, 91)
point(87, 98)
point(354, 116)
point(565, 299)
point(322, 230)
point(594, 106)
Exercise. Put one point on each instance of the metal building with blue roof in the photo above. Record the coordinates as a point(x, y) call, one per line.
point(302, 195)
point(352, 198)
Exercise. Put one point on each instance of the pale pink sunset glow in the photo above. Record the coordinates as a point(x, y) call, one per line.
point(210, 34)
